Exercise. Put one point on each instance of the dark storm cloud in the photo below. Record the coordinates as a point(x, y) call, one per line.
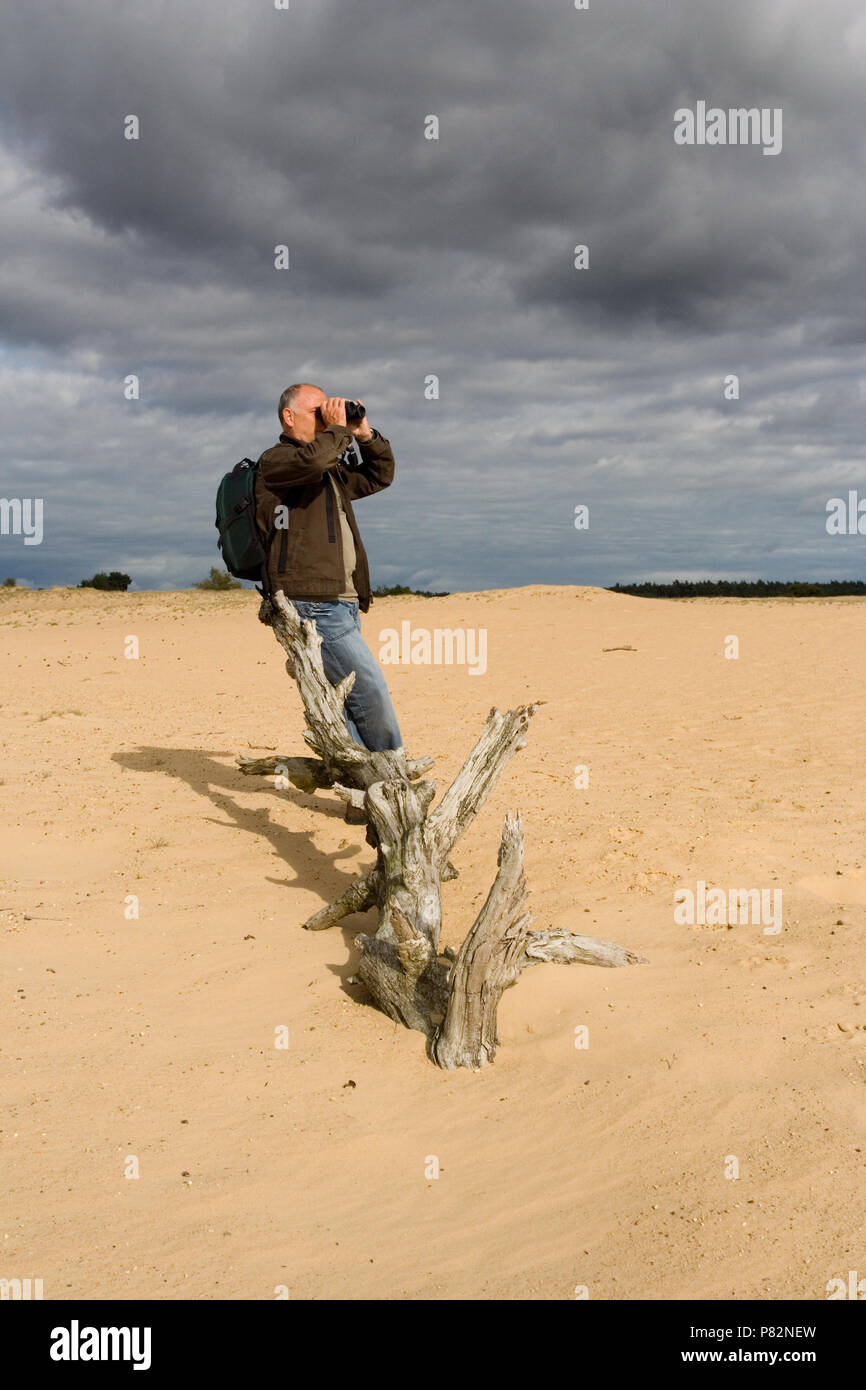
point(454, 257)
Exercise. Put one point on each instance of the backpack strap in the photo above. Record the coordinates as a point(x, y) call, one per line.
point(265, 588)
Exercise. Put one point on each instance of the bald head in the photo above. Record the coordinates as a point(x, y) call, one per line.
point(297, 410)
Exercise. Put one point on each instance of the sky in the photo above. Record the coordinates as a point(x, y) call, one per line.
point(453, 258)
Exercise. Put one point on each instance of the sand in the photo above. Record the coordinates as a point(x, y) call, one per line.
point(150, 1042)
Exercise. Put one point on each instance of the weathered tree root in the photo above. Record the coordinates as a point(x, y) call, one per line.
point(451, 999)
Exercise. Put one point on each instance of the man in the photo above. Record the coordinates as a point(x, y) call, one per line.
point(318, 559)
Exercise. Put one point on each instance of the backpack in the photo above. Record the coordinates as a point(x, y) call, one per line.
point(244, 547)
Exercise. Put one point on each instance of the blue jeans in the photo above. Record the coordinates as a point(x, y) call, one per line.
point(369, 714)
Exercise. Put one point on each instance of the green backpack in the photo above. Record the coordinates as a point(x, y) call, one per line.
point(244, 548)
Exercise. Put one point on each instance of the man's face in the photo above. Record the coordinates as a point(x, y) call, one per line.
point(302, 422)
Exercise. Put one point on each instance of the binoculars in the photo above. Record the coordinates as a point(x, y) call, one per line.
point(354, 411)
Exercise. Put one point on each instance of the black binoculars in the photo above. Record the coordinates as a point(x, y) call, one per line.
point(354, 411)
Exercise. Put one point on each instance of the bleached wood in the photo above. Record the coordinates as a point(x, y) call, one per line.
point(450, 997)
point(308, 774)
point(564, 948)
point(488, 962)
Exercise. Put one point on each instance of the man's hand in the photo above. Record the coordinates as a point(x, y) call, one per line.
point(333, 411)
point(360, 428)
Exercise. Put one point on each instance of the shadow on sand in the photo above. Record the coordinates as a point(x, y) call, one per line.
point(314, 869)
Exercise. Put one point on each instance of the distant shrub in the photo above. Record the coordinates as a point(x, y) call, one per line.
point(115, 580)
point(8, 583)
point(218, 579)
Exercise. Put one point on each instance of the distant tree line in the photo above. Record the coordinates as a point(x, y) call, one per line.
point(744, 588)
point(394, 590)
point(221, 580)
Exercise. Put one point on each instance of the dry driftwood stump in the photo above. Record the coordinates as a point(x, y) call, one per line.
point(452, 999)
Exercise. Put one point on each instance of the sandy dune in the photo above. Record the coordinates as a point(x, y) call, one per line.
point(603, 1167)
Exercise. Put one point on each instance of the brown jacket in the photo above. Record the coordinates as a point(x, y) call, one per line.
point(306, 557)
